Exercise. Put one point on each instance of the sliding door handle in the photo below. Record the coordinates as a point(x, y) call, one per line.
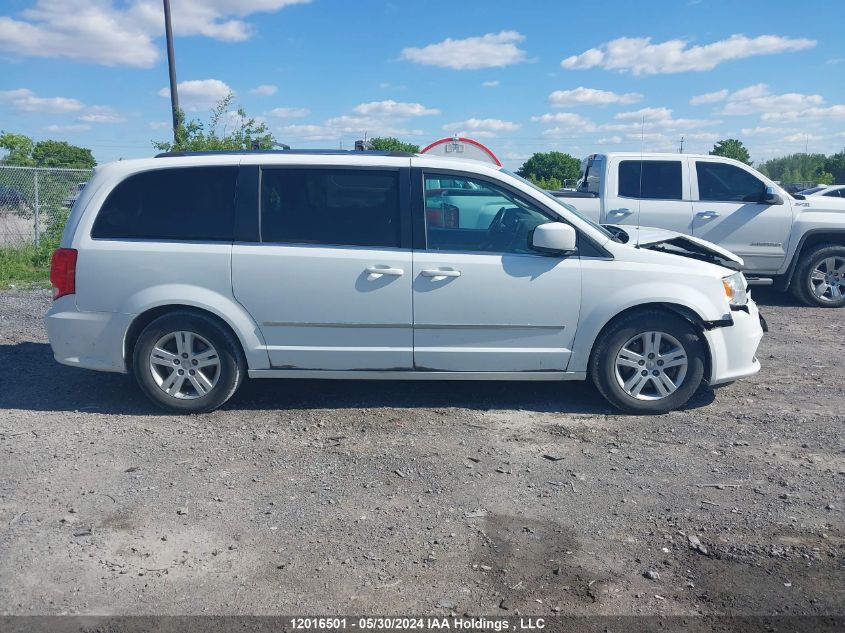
point(438, 275)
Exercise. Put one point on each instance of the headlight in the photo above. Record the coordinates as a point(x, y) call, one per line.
point(736, 289)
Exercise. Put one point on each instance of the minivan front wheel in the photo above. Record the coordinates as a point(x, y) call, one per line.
point(648, 362)
point(187, 363)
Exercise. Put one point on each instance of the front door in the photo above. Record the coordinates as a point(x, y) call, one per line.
point(483, 300)
point(329, 284)
point(728, 211)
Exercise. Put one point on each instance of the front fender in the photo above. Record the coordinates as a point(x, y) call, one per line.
point(597, 311)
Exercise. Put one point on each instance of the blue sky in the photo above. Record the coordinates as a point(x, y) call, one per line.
point(519, 76)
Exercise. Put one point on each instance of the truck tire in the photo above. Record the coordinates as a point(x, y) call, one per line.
point(648, 362)
point(819, 279)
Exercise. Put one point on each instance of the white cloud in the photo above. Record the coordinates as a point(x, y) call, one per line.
point(25, 100)
point(565, 118)
point(289, 113)
point(493, 50)
point(647, 114)
point(110, 33)
point(264, 90)
point(835, 60)
point(308, 132)
point(159, 125)
point(74, 127)
point(709, 97)
point(490, 84)
point(482, 127)
point(790, 106)
point(198, 94)
point(397, 109)
point(639, 56)
point(590, 96)
point(610, 140)
point(101, 114)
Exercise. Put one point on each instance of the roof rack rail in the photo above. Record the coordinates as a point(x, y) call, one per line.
point(271, 152)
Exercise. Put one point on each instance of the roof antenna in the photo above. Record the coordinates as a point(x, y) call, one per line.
point(640, 196)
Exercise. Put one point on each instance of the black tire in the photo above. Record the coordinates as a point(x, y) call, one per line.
point(226, 377)
point(802, 284)
point(618, 333)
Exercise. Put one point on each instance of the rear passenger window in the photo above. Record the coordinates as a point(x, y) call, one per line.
point(348, 207)
point(190, 203)
point(660, 179)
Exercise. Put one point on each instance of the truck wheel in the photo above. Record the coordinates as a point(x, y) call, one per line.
point(648, 362)
point(186, 362)
point(820, 277)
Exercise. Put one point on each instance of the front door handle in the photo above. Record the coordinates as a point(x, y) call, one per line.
point(375, 272)
point(620, 213)
point(439, 275)
point(707, 215)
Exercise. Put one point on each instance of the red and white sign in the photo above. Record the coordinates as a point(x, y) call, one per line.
point(461, 147)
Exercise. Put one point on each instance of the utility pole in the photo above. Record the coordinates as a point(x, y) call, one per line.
point(171, 64)
point(681, 149)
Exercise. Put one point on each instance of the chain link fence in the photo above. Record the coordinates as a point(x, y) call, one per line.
point(35, 202)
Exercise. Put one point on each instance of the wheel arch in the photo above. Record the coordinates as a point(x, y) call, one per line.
point(252, 356)
point(809, 240)
point(673, 309)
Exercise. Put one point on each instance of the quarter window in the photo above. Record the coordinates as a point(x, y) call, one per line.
point(463, 214)
point(189, 203)
point(348, 207)
point(651, 179)
point(727, 183)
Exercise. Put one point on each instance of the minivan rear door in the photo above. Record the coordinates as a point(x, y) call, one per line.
point(329, 278)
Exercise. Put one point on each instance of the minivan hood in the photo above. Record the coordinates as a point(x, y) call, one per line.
point(680, 244)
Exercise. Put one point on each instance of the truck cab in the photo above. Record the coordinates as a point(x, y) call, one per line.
point(726, 202)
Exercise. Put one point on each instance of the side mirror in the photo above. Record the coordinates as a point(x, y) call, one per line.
point(770, 197)
point(554, 237)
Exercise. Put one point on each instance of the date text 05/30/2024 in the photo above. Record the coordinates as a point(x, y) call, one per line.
point(467, 624)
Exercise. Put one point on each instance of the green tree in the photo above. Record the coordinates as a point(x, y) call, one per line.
point(835, 165)
point(731, 148)
point(797, 167)
point(391, 144)
point(18, 148)
point(62, 154)
point(23, 152)
point(226, 130)
point(546, 183)
point(545, 166)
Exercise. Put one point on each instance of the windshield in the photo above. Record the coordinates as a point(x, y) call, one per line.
point(558, 202)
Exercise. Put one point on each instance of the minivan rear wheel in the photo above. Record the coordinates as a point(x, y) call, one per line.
point(186, 362)
point(648, 362)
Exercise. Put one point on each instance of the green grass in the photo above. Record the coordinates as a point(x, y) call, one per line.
point(26, 266)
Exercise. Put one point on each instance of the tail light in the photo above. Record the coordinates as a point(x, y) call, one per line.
point(63, 272)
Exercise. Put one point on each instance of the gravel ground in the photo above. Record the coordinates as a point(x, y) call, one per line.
point(395, 497)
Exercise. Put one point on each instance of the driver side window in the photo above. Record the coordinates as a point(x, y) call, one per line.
point(464, 214)
point(721, 182)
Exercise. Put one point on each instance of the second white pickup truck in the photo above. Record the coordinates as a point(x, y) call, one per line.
point(794, 243)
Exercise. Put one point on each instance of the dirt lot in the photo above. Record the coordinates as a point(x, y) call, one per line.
point(394, 497)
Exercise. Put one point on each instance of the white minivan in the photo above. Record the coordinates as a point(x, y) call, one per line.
point(194, 271)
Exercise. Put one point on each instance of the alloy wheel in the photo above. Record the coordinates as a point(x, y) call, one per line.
point(827, 281)
point(651, 366)
point(184, 365)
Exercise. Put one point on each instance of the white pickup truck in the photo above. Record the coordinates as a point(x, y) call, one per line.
point(791, 242)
